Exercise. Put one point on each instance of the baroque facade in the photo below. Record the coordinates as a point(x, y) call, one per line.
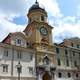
point(34, 50)
point(68, 59)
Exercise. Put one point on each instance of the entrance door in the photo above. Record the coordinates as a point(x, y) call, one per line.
point(46, 76)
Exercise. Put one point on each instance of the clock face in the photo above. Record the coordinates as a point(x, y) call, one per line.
point(43, 31)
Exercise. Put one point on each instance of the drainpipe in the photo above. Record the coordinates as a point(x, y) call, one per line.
point(36, 63)
point(12, 61)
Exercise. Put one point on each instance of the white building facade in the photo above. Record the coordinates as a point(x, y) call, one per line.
point(33, 53)
point(10, 56)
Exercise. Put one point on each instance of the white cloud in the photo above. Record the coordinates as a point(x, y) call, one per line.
point(65, 26)
point(66, 30)
point(9, 9)
point(69, 19)
point(10, 26)
point(51, 7)
point(14, 8)
point(6, 27)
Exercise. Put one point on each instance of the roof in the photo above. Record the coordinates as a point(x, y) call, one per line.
point(8, 37)
point(36, 6)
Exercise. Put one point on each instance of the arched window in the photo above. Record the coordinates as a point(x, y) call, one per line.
point(42, 18)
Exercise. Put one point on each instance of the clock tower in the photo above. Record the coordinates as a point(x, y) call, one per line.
point(39, 34)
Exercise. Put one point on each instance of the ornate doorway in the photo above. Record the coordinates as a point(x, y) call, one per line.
point(46, 76)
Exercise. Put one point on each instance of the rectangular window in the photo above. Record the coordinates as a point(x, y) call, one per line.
point(42, 18)
point(6, 53)
point(5, 68)
point(69, 75)
point(18, 41)
point(59, 62)
point(67, 62)
point(57, 50)
point(79, 56)
point(77, 45)
point(31, 56)
point(72, 44)
point(73, 53)
point(59, 74)
point(31, 70)
point(19, 54)
point(76, 75)
point(66, 52)
point(75, 63)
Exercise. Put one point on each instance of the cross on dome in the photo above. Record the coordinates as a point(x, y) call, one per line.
point(36, 1)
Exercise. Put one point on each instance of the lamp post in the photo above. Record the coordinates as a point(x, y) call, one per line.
point(46, 63)
point(19, 69)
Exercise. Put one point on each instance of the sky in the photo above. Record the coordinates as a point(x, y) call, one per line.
point(63, 15)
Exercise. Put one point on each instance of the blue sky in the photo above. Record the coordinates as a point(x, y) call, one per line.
point(63, 15)
point(68, 7)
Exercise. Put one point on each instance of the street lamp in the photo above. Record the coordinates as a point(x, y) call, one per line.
point(46, 63)
point(19, 66)
point(46, 60)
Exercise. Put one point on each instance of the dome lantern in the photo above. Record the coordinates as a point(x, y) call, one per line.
point(37, 13)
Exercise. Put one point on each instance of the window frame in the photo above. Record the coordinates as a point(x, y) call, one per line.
point(77, 45)
point(5, 68)
point(6, 52)
point(58, 61)
point(57, 50)
point(59, 74)
point(19, 54)
point(77, 75)
point(67, 62)
point(75, 63)
point(30, 69)
point(42, 18)
point(31, 56)
point(69, 74)
point(18, 41)
point(72, 44)
point(66, 52)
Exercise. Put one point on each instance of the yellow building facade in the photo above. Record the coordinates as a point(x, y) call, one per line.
point(40, 35)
